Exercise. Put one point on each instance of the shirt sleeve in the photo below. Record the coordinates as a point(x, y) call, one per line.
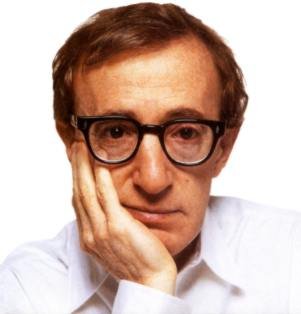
point(13, 299)
point(133, 298)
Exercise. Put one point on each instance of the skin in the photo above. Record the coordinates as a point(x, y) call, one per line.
point(115, 205)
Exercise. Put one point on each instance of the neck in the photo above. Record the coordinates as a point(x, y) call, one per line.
point(182, 258)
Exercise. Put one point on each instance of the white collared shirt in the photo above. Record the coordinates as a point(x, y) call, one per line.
point(249, 263)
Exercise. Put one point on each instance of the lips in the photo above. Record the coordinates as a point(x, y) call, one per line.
point(152, 215)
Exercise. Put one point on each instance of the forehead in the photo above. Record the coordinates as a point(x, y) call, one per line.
point(150, 84)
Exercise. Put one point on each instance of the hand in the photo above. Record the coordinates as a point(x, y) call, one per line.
point(122, 244)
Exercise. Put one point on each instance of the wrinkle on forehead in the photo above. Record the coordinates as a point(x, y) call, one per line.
point(173, 72)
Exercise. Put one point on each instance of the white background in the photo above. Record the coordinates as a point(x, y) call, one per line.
point(35, 179)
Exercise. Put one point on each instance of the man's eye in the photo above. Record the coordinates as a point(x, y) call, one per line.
point(187, 133)
point(115, 132)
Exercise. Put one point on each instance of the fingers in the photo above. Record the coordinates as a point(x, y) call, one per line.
point(83, 224)
point(107, 194)
point(87, 207)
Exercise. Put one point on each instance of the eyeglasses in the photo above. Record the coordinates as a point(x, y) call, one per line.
point(116, 139)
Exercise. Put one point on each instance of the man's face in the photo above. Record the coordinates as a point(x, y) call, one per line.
point(153, 87)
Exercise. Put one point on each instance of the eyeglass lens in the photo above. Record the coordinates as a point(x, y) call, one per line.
point(113, 140)
point(186, 142)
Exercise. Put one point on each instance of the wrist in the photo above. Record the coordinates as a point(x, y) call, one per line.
point(164, 281)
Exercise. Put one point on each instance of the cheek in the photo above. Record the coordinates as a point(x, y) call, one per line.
point(197, 182)
point(122, 180)
point(119, 173)
point(196, 196)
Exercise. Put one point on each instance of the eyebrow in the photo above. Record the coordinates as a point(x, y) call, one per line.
point(182, 112)
point(120, 112)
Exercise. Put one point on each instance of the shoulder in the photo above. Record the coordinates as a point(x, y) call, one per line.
point(35, 273)
point(253, 220)
point(50, 254)
point(260, 225)
point(236, 207)
point(265, 243)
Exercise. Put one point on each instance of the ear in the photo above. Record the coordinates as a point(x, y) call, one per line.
point(224, 149)
point(67, 134)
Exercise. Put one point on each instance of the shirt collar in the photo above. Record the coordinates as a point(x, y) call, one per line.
point(215, 251)
point(85, 274)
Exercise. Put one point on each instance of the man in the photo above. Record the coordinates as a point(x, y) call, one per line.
point(149, 101)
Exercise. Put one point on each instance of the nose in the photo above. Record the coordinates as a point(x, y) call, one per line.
point(152, 174)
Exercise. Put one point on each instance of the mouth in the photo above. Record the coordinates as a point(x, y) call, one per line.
point(152, 215)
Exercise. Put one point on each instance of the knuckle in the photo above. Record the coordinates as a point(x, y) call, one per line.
point(84, 193)
point(88, 242)
point(75, 201)
point(101, 237)
point(116, 229)
point(84, 247)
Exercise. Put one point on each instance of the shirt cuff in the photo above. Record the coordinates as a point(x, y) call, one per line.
point(134, 298)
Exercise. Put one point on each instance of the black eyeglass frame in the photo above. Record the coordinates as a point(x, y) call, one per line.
point(83, 123)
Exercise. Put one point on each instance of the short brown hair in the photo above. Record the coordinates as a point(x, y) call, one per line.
point(140, 26)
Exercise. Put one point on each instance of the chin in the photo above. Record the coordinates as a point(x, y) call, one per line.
point(171, 241)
